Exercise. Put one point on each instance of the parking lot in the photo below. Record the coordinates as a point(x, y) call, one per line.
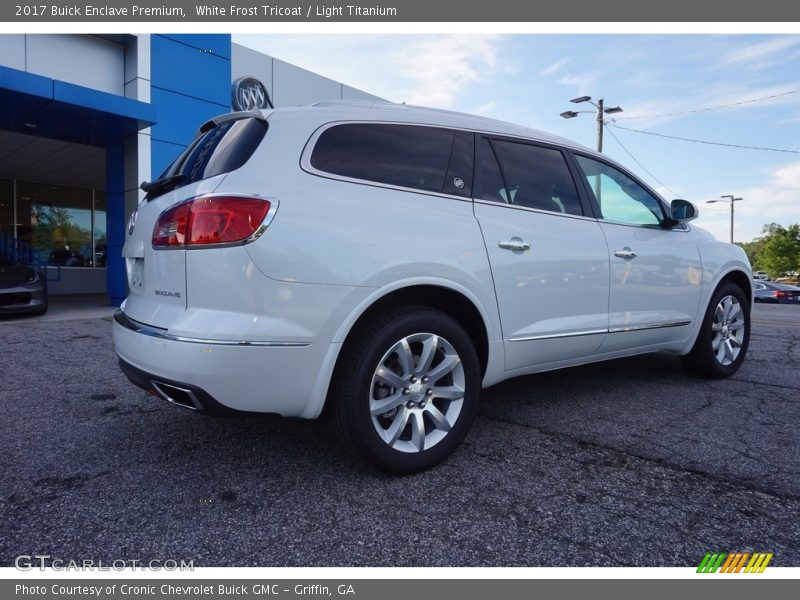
point(632, 462)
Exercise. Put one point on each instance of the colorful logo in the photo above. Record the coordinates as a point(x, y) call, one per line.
point(734, 562)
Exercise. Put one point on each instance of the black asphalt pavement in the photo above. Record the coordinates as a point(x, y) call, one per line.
point(631, 462)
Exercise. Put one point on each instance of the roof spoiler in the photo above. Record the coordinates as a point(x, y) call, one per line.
point(231, 116)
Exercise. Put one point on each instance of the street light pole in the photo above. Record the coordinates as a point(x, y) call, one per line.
point(599, 112)
point(730, 199)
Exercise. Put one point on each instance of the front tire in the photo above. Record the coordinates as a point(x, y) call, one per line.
point(722, 343)
point(407, 389)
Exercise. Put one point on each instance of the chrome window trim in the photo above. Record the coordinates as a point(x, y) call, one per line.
point(534, 210)
point(676, 228)
point(125, 321)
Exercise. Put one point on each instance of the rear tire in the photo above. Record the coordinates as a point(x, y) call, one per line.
point(406, 389)
point(722, 343)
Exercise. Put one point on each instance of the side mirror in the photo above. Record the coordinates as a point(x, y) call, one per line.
point(682, 211)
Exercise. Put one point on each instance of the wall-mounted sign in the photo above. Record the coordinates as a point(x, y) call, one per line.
point(248, 93)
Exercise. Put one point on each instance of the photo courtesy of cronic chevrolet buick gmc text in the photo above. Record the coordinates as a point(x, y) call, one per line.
point(385, 262)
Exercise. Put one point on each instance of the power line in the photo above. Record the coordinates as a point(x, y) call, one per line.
point(646, 170)
point(708, 108)
point(683, 139)
point(674, 193)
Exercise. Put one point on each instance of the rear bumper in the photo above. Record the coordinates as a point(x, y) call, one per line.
point(175, 392)
point(218, 376)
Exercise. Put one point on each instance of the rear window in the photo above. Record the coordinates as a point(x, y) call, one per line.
point(411, 156)
point(220, 150)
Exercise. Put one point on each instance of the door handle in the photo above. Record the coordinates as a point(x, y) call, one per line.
point(515, 244)
point(625, 253)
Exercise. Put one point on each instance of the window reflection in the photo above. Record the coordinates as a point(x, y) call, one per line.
point(6, 207)
point(66, 226)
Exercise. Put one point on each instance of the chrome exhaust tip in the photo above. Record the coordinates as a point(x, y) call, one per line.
point(177, 395)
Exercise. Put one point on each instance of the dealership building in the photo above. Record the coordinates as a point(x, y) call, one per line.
point(84, 119)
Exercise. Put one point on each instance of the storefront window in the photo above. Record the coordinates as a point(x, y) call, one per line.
point(6, 207)
point(99, 229)
point(61, 225)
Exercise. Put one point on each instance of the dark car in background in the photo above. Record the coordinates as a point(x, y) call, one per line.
point(23, 289)
point(777, 293)
point(66, 258)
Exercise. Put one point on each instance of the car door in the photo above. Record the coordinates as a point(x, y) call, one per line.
point(655, 267)
point(549, 261)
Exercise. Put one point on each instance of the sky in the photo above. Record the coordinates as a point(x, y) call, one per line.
point(529, 79)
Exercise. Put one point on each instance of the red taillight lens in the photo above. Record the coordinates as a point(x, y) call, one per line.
point(171, 227)
point(224, 220)
point(210, 220)
point(782, 294)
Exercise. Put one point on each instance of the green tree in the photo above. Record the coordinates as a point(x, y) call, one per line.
point(780, 252)
point(753, 250)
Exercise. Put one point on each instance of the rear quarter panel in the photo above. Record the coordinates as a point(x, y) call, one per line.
point(331, 232)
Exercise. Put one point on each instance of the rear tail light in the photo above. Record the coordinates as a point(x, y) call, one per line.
point(208, 220)
point(781, 294)
point(171, 227)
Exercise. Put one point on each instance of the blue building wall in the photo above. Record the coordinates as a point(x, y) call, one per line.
point(190, 83)
point(190, 79)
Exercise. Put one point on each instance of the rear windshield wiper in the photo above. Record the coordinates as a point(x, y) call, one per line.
point(163, 185)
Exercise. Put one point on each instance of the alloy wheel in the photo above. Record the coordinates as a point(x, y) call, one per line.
point(417, 392)
point(728, 328)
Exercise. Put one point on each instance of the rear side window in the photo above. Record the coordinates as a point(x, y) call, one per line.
point(409, 156)
point(532, 176)
point(220, 150)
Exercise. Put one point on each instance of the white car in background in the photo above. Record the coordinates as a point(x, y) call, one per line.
point(386, 262)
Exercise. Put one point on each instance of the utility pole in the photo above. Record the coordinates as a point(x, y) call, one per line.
point(600, 125)
point(729, 199)
point(599, 111)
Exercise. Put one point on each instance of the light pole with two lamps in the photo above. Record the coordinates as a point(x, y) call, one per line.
point(599, 112)
point(730, 199)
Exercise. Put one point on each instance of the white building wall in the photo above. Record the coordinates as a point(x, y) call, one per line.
point(288, 84)
point(137, 146)
point(12, 51)
point(85, 60)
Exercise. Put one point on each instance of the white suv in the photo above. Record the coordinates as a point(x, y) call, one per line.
point(386, 262)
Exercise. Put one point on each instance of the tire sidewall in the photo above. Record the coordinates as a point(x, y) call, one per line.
point(357, 396)
point(707, 335)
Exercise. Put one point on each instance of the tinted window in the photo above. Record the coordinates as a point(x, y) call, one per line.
point(536, 177)
point(222, 149)
point(620, 198)
point(492, 186)
point(403, 155)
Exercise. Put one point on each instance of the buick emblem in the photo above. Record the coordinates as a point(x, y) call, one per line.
point(459, 183)
point(248, 93)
